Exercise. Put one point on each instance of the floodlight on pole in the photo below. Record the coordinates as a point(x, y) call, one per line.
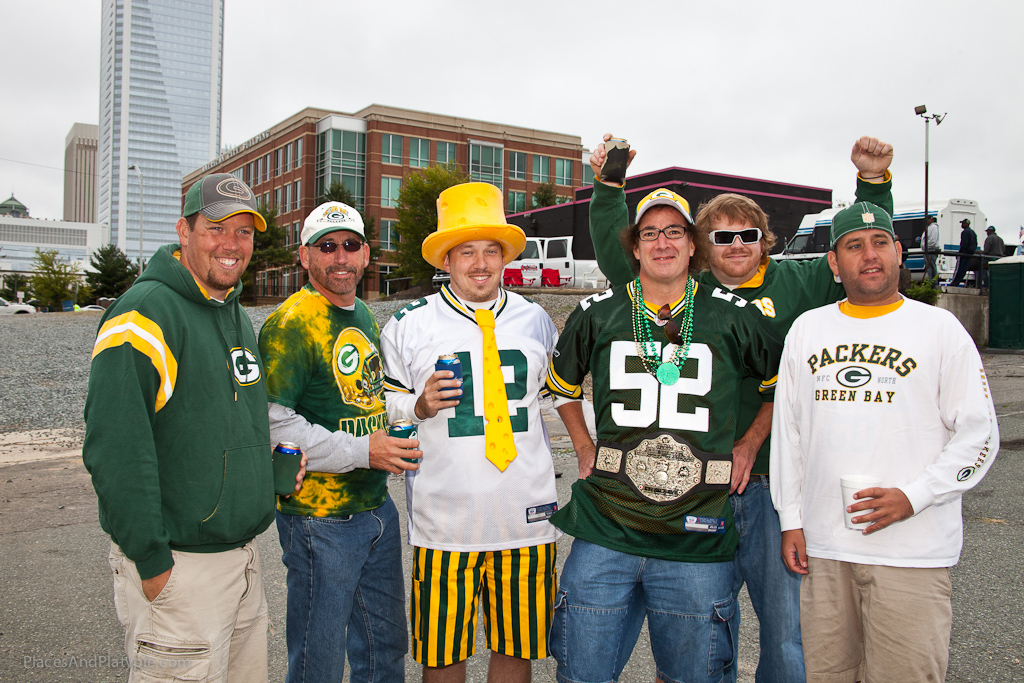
point(139, 171)
point(922, 111)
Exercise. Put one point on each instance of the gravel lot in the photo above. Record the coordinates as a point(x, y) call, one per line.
point(44, 361)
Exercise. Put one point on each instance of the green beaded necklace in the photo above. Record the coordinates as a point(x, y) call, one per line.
point(666, 372)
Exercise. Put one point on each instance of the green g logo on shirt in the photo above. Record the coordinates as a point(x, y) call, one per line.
point(358, 370)
point(244, 366)
point(348, 359)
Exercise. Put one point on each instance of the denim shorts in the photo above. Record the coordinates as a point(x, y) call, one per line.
point(605, 596)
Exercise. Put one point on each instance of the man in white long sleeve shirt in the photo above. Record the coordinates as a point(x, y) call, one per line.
point(893, 389)
point(340, 532)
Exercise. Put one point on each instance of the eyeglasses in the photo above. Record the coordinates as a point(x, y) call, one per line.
point(672, 232)
point(351, 246)
point(671, 328)
point(724, 238)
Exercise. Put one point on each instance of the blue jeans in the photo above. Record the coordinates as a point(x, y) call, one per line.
point(346, 592)
point(774, 590)
point(605, 596)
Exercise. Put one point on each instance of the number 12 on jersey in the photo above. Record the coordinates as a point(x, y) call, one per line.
point(466, 422)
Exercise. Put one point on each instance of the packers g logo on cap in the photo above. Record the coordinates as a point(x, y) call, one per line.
point(234, 188)
point(664, 197)
point(335, 213)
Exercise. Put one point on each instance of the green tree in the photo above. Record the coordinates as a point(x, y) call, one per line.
point(339, 192)
point(114, 272)
point(417, 217)
point(545, 195)
point(268, 250)
point(53, 278)
point(14, 283)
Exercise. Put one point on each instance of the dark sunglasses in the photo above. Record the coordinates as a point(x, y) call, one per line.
point(351, 246)
point(724, 238)
point(671, 328)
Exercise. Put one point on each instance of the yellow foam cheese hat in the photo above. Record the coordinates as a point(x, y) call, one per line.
point(468, 212)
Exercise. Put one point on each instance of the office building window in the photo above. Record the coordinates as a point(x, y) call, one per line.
point(588, 175)
point(563, 172)
point(541, 169)
point(266, 168)
point(517, 165)
point(516, 202)
point(562, 199)
point(277, 199)
point(388, 288)
point(296, 233)
point(389, 189)
point(266, 199)
point(485, 164)
point(341, 156)
point(288, 157)
point(287, 199)
point(391, 149)
point(297, 194)
point(388, 236)
point(419, 152)
point(239, 173)
point(257, 175)
point(298, 153)
point(446, 152)
point(278, 154)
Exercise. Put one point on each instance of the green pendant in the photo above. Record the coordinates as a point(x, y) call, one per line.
point(668, 374)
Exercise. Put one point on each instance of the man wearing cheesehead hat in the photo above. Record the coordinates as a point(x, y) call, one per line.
point(479, 504)
point(653, 527)
point(340, 532)
point(894, 390)
point(178, 447)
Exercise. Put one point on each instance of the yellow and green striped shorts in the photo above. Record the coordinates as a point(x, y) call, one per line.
point(518, 588)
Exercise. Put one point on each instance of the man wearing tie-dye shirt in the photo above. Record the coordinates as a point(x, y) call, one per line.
point(339, 533)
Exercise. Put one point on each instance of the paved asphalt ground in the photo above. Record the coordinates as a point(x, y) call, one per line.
point(57, 619)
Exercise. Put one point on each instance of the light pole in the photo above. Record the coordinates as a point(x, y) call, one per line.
point(139, 171)
point(922, 112)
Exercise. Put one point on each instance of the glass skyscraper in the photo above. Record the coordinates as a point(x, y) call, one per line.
point(160, 98)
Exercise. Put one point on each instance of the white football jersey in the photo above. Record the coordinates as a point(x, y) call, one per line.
point(458, 500)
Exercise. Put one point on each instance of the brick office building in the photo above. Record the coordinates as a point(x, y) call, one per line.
point(291, 164)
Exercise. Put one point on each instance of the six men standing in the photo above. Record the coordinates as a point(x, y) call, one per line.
point(683, 370)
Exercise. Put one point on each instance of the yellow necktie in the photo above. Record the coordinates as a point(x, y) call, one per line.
point(501, 449)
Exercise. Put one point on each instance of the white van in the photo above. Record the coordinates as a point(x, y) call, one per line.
point(812, 237)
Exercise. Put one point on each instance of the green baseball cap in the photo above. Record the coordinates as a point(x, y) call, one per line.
point(860, 216)
point(222, 195)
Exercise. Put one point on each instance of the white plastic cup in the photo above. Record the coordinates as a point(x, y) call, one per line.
point(852, 483)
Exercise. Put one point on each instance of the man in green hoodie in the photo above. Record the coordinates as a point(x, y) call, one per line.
point(178, 445)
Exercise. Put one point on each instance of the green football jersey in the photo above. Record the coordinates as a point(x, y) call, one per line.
point(323, 362)
point(730, 342)
point(782, 290)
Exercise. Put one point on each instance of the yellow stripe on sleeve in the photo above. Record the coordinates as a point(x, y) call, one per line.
point(768, 384)
point(146, 337)
point(557, 385)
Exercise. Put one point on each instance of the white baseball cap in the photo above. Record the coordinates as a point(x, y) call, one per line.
point(330, 217)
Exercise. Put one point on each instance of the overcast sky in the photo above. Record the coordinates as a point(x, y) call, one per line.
point(775, 90)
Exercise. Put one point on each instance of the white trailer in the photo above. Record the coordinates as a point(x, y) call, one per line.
point(812, 237)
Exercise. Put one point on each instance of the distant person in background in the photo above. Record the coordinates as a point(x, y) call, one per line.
point(968, 245)
point(994, 247)
point(933, 248)
point(1020, 242)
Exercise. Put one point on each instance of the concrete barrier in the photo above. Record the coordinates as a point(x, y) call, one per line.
point(971, 309)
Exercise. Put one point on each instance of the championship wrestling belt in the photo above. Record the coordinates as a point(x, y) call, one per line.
point(662, 468)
